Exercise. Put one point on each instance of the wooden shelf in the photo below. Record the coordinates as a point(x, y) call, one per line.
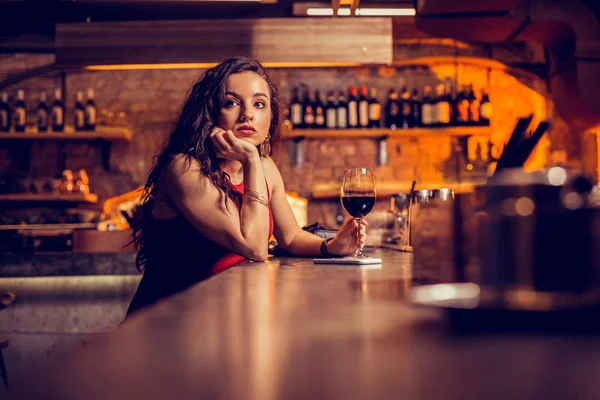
point(73, 198)
point(107, 133)
point(382, 132)
point(46, 227)
point(385, 191)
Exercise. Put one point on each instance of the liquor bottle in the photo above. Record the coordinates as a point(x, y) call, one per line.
point(43, 114)
point(331, 111)
point(296, 110)
point(4, 113)
point(442, 107)
point(352, 108)
point(426, 109)
point(90, 111)
point(309, 111)
point(58, 112)
point(20, 112)
point(319, 111)
point(405, 109)
point(392, 110)
point(363, 108)
point(450, 99)
point(485, 109)
point(474, 106)
point(461, 108)
point(415, 103)
point(342, 111)
point(374, 109)
point(79, 113)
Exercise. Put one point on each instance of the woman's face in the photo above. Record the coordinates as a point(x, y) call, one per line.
point(246, 109)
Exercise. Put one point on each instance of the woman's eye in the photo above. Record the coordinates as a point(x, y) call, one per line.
point(230, 103)
point(260, 104)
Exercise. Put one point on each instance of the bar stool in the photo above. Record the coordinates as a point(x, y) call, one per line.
point(6, 299)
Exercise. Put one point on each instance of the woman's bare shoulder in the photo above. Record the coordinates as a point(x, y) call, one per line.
point(185, 172)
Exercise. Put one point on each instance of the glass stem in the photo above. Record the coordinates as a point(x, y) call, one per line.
point(358, 252)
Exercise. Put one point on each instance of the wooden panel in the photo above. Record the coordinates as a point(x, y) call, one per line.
point(289, 40)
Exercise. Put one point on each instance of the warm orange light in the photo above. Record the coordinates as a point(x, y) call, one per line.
point(291, 64)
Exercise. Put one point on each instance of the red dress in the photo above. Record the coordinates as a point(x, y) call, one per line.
point(178, 256)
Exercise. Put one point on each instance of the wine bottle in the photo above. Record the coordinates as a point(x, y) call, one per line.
point(442, 107)
point(363, 108)
point(43, 114)
point(353, 108)
point(296, 110)
point(330, 111)
point(309, 111)
point(474, 104)
point(392, 110)
point(405, 109)
point(20, 112)
point(4, 113)
point(342, 111)
point(90, 111)
point(58, 112)
point(485, 109)
point(79, 113)
point(415, 103)
point(319, 111)
point(374, 109)
point(462, 108)
point(426, 110)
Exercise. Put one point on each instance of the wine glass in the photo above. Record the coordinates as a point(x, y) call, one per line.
point(358, 197)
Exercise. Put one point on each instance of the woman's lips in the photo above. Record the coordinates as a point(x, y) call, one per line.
point(245, 131)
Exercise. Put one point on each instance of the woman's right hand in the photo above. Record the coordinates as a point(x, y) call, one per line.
point(228, 147)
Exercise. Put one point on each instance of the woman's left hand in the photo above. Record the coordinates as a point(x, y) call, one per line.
point(344, 242)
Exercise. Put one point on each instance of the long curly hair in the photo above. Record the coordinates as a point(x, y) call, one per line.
point(190, 137)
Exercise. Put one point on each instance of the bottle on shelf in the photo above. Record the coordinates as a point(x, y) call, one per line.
point(485, 109)
point(296, 117)
point(20, 112)
point(415, 103)
point(79, 113)
point(442, 107)
point(405, 109)
point(342, 111)
point(4, 113)
point(90, 111)
point(43, 114)
point(331, 111)
point(474, 107)
point(58, 112)
point(363, 108)
point(461, 108)
point(392, 110)
point(353, 108)
point(374, 109)
point(309, 111)
point(449, 95)
point(426, 109)
point(319, 111)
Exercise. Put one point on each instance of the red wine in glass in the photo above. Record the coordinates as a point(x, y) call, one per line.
point(358, 197)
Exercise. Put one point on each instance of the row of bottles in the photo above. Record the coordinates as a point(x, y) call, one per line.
point(404, 110)
point(48, 117)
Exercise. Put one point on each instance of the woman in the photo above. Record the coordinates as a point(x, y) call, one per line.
point(214, 197)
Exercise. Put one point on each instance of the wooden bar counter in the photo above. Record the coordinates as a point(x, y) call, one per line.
point(289, 329)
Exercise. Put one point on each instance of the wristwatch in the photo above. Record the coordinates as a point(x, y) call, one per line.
point(324, 250)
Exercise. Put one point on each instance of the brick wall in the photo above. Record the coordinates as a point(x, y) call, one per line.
point(147, 102)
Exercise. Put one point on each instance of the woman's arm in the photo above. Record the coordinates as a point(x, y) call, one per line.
point(215, 216)
point(291, 237)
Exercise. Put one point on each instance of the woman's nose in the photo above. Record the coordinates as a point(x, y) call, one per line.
point(246, 114)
